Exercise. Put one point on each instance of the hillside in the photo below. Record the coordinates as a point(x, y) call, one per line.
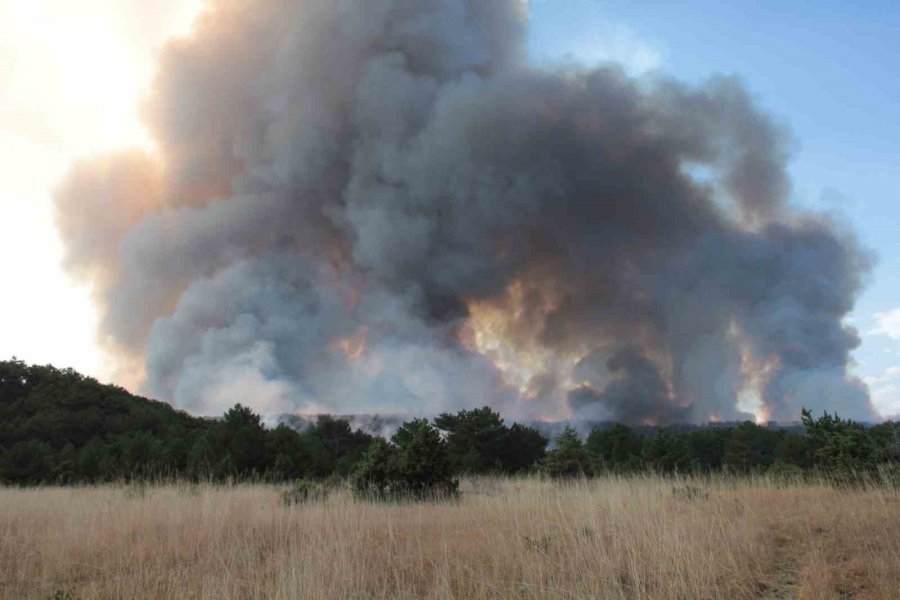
point(60, 423)
point(62, 427)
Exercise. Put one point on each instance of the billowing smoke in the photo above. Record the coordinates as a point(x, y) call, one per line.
point(381, 206)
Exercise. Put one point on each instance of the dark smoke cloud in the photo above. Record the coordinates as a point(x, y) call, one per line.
point(635, 390)
point(379, 205)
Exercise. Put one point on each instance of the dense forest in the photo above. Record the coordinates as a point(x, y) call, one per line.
point(57, 426)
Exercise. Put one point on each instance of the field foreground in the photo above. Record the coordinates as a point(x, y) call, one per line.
point(609, 538)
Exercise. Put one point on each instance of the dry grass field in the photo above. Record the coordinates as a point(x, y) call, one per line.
point(609, 538)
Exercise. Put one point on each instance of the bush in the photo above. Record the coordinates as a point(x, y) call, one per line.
point(305, 492)
point(378, 474)
point(26, 462)
point(617, 448)
point(479, 442)
point(415, 465)
point(783, 473)
point(569, 458)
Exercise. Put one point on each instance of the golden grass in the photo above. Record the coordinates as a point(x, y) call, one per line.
point(610, 538)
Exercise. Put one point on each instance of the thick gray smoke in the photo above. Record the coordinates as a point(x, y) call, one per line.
point(380, 205)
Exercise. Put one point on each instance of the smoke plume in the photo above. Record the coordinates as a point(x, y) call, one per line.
point(381, 206)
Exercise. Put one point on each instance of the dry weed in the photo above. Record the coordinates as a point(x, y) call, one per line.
point(609, 538)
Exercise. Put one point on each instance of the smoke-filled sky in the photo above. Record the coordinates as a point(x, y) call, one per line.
point(564, 210)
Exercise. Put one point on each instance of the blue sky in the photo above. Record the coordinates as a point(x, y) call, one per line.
point(827, 70)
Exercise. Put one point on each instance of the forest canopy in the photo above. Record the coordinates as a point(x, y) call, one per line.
point(58, 426)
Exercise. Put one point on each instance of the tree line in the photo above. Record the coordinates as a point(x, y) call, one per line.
point(57, 426)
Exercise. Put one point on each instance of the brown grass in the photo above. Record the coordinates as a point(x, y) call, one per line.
point(611, 538)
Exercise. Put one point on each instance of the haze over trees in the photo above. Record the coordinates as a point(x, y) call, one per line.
point(57, 426)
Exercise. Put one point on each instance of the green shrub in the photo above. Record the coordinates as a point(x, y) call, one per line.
point(568, 458)
point(414, 465)
point(785, 473)
point(480, 442)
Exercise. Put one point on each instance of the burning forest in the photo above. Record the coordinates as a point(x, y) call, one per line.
point(384, 206)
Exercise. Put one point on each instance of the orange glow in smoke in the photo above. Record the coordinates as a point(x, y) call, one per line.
point(353, 347)
point(755, 373)
point(492, 330)
point(507, 332)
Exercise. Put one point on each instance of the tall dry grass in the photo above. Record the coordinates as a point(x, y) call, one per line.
point(608, 538)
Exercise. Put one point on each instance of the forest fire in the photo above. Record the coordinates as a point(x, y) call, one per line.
point(460, 226)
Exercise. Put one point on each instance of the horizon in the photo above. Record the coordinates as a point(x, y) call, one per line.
point(358, 419)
